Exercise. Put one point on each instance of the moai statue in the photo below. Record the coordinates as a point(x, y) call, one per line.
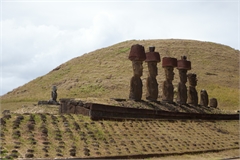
point(137, 56)
point(213, 103)
point(54, 94)
point(183, 66)
point(152, 58)
point(168, 64)
point(192, 92)
point(204, 98)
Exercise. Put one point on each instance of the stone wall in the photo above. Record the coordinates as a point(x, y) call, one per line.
point(100, 111)
point(72, 106)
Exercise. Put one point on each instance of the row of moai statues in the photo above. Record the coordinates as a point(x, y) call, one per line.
point(184, 96)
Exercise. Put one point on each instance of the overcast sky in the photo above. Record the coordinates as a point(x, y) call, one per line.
point(37, 36)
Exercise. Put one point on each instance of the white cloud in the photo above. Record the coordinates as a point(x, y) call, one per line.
point(30, 51)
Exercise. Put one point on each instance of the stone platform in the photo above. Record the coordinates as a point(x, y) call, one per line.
point(101, 111)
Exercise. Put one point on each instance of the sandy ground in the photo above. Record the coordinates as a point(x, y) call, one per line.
point(222, 155)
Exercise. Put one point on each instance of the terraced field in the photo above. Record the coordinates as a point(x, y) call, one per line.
point(75, 136)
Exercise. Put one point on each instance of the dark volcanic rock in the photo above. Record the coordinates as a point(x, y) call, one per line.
point(29, 155)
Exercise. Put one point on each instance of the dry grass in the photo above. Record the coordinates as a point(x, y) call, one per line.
point(111, 138)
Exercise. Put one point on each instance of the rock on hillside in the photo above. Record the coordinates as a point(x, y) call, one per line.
point(106, 72)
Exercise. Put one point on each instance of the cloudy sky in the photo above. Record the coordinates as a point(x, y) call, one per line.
point(37, 36)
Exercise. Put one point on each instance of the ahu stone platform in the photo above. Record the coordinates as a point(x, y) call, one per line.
point(156, 110)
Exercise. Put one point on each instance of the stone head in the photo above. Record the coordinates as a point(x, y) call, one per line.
point(54, 88)
point(183, 75)
point(152, 68)
point(213, 102)
point(137, 68)
point(169, 73)
point(203, 91)
point(192, 78)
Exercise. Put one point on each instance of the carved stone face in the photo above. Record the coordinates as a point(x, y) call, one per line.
point(54, 88)
point(137, 68)
point(192, 78)
point(169, 73)
point(183, 75)
point(152, 68)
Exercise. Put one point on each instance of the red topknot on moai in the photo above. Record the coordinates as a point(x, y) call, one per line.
point(137, 56)
point(168, 63)
point(183, 65)
point(152, 58)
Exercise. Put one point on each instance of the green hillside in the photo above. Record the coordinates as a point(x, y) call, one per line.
point(106, 73)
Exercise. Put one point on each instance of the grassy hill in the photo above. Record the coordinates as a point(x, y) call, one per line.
point(106, 73)
point(40, 132)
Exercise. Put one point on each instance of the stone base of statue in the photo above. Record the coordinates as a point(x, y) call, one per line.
point(135, 88)
point(50, 102)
